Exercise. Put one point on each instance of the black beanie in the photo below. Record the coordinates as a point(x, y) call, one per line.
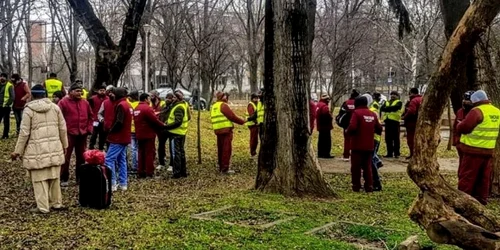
point(360, 101)
point(38, 91)
point(75, 86)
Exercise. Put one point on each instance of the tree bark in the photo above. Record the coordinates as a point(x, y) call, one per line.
point(450, 216)
point(287, 164)
point(111, 59)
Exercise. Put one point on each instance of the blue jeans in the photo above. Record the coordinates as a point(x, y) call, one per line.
point(116, 160)
point(133, 145)
point(376, 159)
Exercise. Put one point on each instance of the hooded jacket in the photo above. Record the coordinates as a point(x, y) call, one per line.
point(42, 137)
point(78, 115)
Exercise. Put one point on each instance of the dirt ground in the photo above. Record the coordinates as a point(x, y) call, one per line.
point(337, 165)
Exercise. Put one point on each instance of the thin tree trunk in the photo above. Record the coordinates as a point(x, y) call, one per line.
point(448, 215)
point(287, 164)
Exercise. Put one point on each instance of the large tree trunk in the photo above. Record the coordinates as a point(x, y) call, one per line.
point(287, 164)
point(111, 59)
point(450, 216)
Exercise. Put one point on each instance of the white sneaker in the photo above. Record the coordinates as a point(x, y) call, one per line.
point(160, 167)
point(345, 159)
point(114, 188)
point(229, 172)
point(64, 184)
point(170, 169)
point(123, 188)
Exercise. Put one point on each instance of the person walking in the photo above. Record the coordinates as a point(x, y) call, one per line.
point(344, 118)
point(147, 125)
point(41, 143)
point(252, 124)
point(164, 135)
point(7, 97)
point(392, 110)
point(459, 117)
point(223, 120)
point(177, 126)
point(410, 118)
point(52, 84)
point(119, 137)
point(363, 126)
point(478, 136)
point(78, 115)
point(22, 95)
point(96, 102)
point(133, 100)
point(325, 126)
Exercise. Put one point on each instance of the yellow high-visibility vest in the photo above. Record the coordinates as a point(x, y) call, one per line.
point(260, 113)
point(162, 104)
point(219, 120)
point(484, 134)
point(53, 85)
point(182, 130)
point(85, 93)
point(252, 123)
point(134, 105)
point(395, 116)
point(6, 94)
point(374, 108)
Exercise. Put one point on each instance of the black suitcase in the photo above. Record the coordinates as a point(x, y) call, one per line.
point(95, 186)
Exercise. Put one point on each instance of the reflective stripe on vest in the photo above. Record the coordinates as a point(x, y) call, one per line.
point(6, 94)
point(374, 109)
point(53, 85)
point(260, 112)
point(181, 130)
point(395, 116)
point(251, 123)
point(484, 134)
point(219, 120)
point(134, 105)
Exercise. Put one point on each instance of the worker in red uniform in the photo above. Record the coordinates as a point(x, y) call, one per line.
point(460, 116)
point(252, 123)
point(410, 118)
point(22, 94)
point(147, 125)
point(343, 119)
point(156, 103)
point(106, 113)
point(324, 125)
point(362, 128)
point(78, 115)
point(478, 137)
point(222, 118)
point(95, 103)
point(312, 114)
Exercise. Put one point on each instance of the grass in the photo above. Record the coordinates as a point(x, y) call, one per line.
point(155, 213)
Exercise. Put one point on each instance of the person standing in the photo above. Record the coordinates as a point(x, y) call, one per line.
point(78, 115)
point(177, 126)
point(106, 113)
point(324, 125)
point(459, 117)
point(392, 115)
point(96, 102)
point(260, 112)
point(41, 143)
point(133, 100)
point(156, 103)
point(119, 137)
point(147, 124)
point(410, 118)
point(7, 97)
point(312, 115)
point(376, 162)
point(163, 135)
point(22, 94)
point(57, 97)
point(52, 84)
point(252, 123)
point(363, 126)
point(222, 118)
point(478, 136)
point(344, 118)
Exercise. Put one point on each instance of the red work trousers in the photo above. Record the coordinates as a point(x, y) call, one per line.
point(474, 176)
point(347, 145)
point(361, 161)
point(79, 144)
point(146, 157)
point(410, 138)
point(254, 139)
point(224, 150)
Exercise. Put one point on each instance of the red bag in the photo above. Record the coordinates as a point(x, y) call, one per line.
point(94, 157)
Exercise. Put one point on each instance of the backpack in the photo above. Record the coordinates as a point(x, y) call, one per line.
point(343, 118)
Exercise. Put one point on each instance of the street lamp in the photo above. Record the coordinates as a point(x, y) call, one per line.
point(146, 28)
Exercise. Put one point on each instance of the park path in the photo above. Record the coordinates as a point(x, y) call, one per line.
point(337, 165)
